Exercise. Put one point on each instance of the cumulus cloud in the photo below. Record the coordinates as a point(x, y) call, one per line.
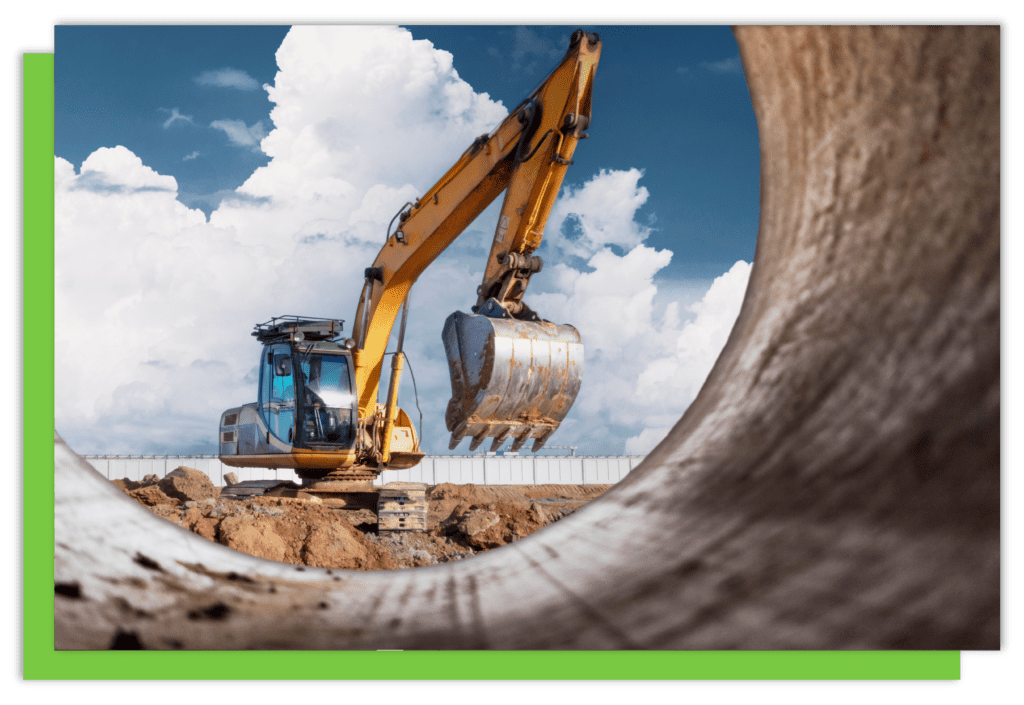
point(118, 170)
point(239, 134)
point(647, 439)
point(671, 381)
point(730, 65)
point(190, 157)
point(175, 116)
point(228, 78)
point(154, 301)
point(366, 105)
point(598, 214)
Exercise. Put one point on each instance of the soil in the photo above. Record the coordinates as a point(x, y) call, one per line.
point(462, 520)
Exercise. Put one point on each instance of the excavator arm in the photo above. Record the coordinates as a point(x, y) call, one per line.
point(526, 156)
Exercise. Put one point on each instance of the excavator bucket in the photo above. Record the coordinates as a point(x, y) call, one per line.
point(510, 378)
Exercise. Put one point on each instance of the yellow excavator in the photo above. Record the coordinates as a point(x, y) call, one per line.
point(514, 376)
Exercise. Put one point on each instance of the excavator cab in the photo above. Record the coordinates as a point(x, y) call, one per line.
point(315, 407)
point(306, 415)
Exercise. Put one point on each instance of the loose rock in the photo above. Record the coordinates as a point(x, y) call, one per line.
point(477, 522)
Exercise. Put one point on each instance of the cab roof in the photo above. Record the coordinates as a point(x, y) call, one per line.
point(282, 329)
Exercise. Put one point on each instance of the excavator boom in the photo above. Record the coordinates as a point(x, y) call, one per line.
point(526, 156)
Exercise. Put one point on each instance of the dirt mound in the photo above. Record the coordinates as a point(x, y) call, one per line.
point(462, 520)
point(151, 496)
point(187, 484)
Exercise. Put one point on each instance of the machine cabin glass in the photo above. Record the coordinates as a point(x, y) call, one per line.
point(314, 408)
point(327, 403)
point(277, 392)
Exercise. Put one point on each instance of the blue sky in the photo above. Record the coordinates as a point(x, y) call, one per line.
point(670, 100)
point(217, 176)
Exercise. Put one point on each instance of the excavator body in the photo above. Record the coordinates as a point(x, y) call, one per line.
point(514, 375)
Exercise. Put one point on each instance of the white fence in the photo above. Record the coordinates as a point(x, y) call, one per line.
point(433, 469)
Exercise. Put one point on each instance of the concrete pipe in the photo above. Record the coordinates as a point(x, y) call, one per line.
point(834, 485)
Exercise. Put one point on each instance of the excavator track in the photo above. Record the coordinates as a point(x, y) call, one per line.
point(402, 506)
point(399, 506)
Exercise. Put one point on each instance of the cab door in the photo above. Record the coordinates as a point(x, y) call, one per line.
point(277, 393)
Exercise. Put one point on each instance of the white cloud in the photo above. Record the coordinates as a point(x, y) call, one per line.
point(643, 367)
point(673, 380)
point(118, 169)
point(730, 65)
point(598, 214)
point(239, 134)
point(366, 105)
point(154, 302)
point(612, 306)
point(189, 157)
point(228, 78)
point(645, 442)
point(176, 117)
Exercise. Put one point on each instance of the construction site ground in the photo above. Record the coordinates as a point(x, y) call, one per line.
point(462, 520)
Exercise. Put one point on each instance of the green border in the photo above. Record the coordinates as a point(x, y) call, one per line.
point(37, 364)
point(507, 665)
point(41, 662)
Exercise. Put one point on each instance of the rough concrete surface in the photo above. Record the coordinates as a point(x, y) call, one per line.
point(834, 485)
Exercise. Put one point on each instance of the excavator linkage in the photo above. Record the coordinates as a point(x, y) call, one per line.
point(510, 378)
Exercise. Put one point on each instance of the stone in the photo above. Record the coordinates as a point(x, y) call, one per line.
point(477, 522)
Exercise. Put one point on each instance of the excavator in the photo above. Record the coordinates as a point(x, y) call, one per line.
point(513, 375)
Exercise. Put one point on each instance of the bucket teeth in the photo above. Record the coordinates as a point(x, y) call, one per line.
point(518, 442)
point(500, 438)
point(477, 440)
point(539, 442)
point(458, 433)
